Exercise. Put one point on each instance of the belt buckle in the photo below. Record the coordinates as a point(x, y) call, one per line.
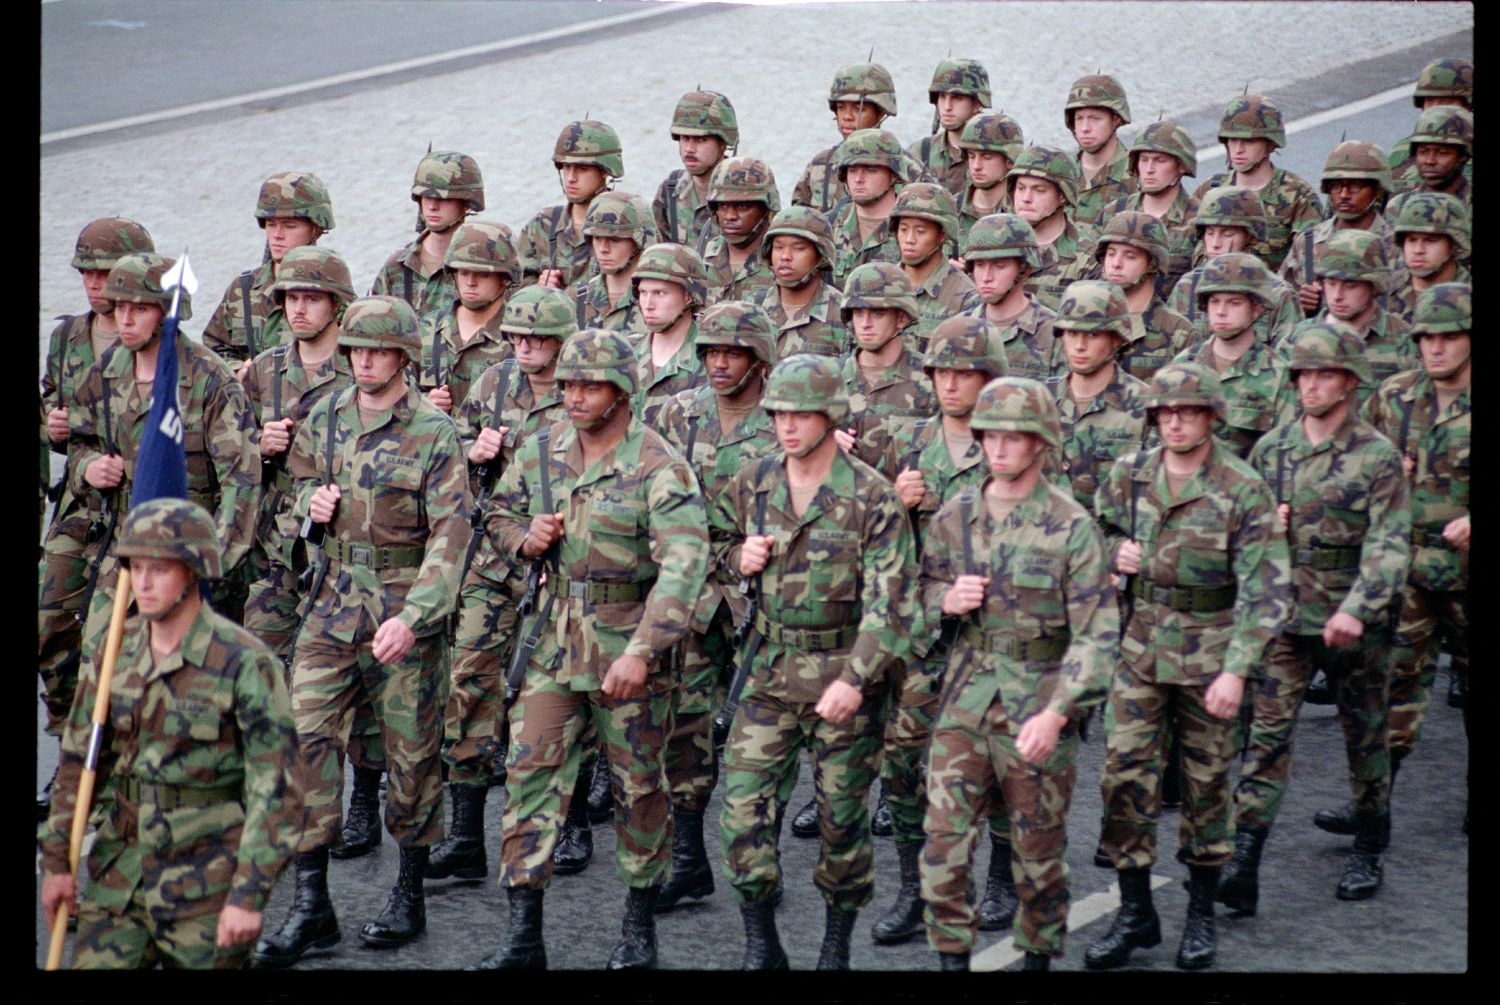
point(578, 590)
point(361, 554)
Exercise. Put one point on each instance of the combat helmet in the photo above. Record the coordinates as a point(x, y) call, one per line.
point(965, 342)
point(1318, 345)
point(539, 310)
point(1253, 117)
point(1354, 255)
point(806, 223)
point(673, 263)
point(1232, 206)
point(1449, 77)
point(1445, 124)
point(313, 268)
point(865, 82)
point(447, 174)
point(871, 146)
point(1051, 163)
point(478, 246)
point(1443, 307)
point(744, 179)
point(1097, 90)
point(589, 142)
point(172, 529)
point(1434, 213)
point(807, 382)
point(294, 194)
point(1018, 405)
point(1165, 137)
point(740, 325)
point(706, 113)
point(994, 131)
point(879, 284)
point(1002, 235)
point(137, 278)
point(925, 200)
point(960, 76)
point(1184, 384)
point(597, 354)
point(1236, 272)
point(1358, 160)
point(619, 214)
point(1094, 305)
point(105, 241)
point(1138, 230)
point(381, 323)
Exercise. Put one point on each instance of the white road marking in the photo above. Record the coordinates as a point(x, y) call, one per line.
point(1086, 911)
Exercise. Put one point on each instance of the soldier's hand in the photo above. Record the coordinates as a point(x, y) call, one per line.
point(1038, 736)
point(1283, 516)
point(106, 472)
point(957, 261)
point(625, 678)
point(755, 553)
point(965, 595)
point(1457, 533)
point(1409, 465)
point(243, 370)
point(1128, 558)
point(910, 488)
point(487, 445)
point(392, 641)
point(237, 926)
point(1342, 630)
point(441, 397)
point(325, 502)
point(1309, 296)
point(845, 439)
point(839, 702)
point(275, 437)
point(550, 277)
point(59, 889)
point(545, 528)
point(57, 425)
point(1224, 696)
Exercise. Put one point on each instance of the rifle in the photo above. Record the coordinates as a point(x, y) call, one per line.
point(526, 641)
point(103, 528)
point(746, 639)
point(311, 580)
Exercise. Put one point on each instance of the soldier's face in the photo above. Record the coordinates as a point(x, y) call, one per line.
point(441, 214)
point(1438, 100)
point(478, 289)
point(1088, 351)
point(1423, 254)
point(792, 257)
point(1246, 154)
point(852, 115)
point(1231, 312)
point(727, 365)
point(1184, 426)
point(1443, 353)
point(995, 277)
point(1347, 298)
point(1094, 127)
point(1221, 240)
point(93, 288)
point(798, 432)
point(589, 402)
point(581, 182)
point(738, 221)
point(957, 390)
point(662, 303)
point(158, 584)
point(1035, 199)
point(285, 233)
point(917, 239)
point(987, 168)
point(1351, 197)
point(375, 368)
point(534, 352)
point(867, 182)
point(612, 253)
point(699, 153)
point(1009, 453)
point(1125, 266)
point(1318, 391)
point(1157, 171)
point(875, 326)
point(308, 311)
point(137, 322)
point(954, 110)
point(1437, 162)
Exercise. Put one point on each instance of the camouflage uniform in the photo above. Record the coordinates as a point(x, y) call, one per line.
point(1115, 179)
point(865, 146)
point(1167, 137)
point(1063, 260)
point(952, 76)
point(1353, 160)
point(192, 771)
point(614, 214)
point(1445, 125)
point(442, 175)
point(655, 386)
point(681, 216)
point(817, 328)
point(1448, 77)
point(1031, 348)
point(447, 358)
point(820, 187)
point(946, 291)
point(897, 396)
point(743, 179)
point(1045, 638)
point(1159, 333)
point(550, 241)
point(994, 132)
point(1427, 213)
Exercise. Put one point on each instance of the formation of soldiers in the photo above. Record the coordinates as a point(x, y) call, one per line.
point(971, 440)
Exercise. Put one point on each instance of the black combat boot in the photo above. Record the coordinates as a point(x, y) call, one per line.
point(998, 909)
point(601, 799)
point(762, 945)
point(1319, 690)
point(1101, 857)
point(905, 916)
point(523, 949)
point(1345, 819)
point(805, 823)
point(692, 876)
point(953, 961)
point(498, 771)
point(1135, 927)
point(310, 924)
point(881, 824)
point(461, 854)
point(362, 827)
point(405, 914)
point(637, 946)
point(44, 798)
point(1036, 961)
point(1198, 937)
point(838, 922)
point(575, 841)
point(1362, 870)
point(1239, 887)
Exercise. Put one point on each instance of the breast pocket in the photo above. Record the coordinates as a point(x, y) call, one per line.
point(1036, 581)
point(618, 528)
point(1345, 514)
point(200, 468)
point(398, 494)
point(1203, 556)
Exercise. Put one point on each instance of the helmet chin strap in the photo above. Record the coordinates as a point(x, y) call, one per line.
point(1450, 371)
point(799, 454)
point(750, 372)
point(1010, 476)
point(309, 336)
point(539, 367)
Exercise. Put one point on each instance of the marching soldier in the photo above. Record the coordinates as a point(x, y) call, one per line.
point(1132, 253)
point(992, 142)
point(552, 247)
point(1446, 81)
point(1095, 110)
point(1000, 254)
point(461, 342)
point(881, 376)
point(870, 166)
point(1043, 187)
point(743, 199)
point(671, 285)
point(619, 227)
point(926, 225)
point(1442, 144)
point(1433, 237)
point(804, 303)
point(705, 129)
point(861, 96)
point(960, 90)
point(1160, 156)
point(447, 187)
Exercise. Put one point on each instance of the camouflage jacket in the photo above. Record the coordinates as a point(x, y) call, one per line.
point(819, 329)
point(1110, 425)
point(1462, 189)
point(1031, 348)
point(682, 217)
point(968, 212)
point(1404, 173)
point(249, 293)
point(1401, 300)
point(842, 566)
point(1220, 531)
point(1066, 259)
point(902, 392)
point(849, 252)
point(549, 241)
point(1113, 182)
point(446, 359)
point(922, 446)
point(947, 168)
point(70, 353)
point(633, 522)
point(1182, 233)
point(1405, 410)
point(819, 186)
point(726, 282)
point(594, 310)
point(1258, 393)
point(1389, 347)
point(1167, 333)
point(403, 491)
point(1291, 205)
point(218, 440)
point(402, 276)
point(1272, 326)
point(1350, 528)
point(213, 719)
point(940, 296)
point(1048, 580)
point(683, 371)
point(1298, 268)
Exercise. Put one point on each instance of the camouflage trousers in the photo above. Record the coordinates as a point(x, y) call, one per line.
point(271, 609)
point(1360, 679)
point(707, 662)
point(547, 726)
point(964, 767)
point(63, 575)
point(760, 771)
point(1131, 782)
point(130, 939)
point(912, 704)
point(329, 682)
point(474, 722)
point(1428, 620)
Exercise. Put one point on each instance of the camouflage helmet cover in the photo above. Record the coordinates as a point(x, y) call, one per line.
point(539, 310)
point(446, 174)
point(1444, 307)
point(674, 263)
point(590, 142)
point(382, 323)
point(172, 529)
point(740, 325)
point(1097, 90)
point(877, 285)
point(137, 278)
point(1179, 384)
point(1094, 305)
point(620, 214)
point(1051, 163)
point(1236, 272)
point(960, 76)
point(1019, 405)
point(965, 342)
point(993, 131)
point(478, 246)
point(1359, 160)
point(1138, 230)
point(806, 223)
point(1319, 345)
point(597, 354)
point(1002, 235)
point(310, 267)
point(294, 194)
point(706, 113)
point(871, 146)
point(1252, 117)
point(1434, 213)
point(1356, 256)
point(927, 200)
point(1446, 124)
point(102, 242)
point(807, 382)
point(1165, 137)
point(1450, 77)
point(744, 179)
point(1232, 206)
point(869, 82)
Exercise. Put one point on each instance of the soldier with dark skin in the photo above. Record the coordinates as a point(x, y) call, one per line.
point(618, 226)
point(992, 141)
point(552, 247)
point(1442, 144)
point(804, 303)
point(1000, 254)
point(1043, 186)
point(1432, 237)
point(671, 285)
point(1445, 81)
point(1095, 110)
point(743, 199)
point(960, 90)
point(862, 96)
point(447, 188)
point(461, 342)
point(926, 225)
point(706, 130)
point(1357, 183)
point(1131, 252)
point(1160, 156)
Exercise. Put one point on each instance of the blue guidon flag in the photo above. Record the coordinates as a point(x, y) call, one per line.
point(161, 466)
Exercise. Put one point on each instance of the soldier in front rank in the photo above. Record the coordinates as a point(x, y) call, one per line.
point(1095, 110)
point(1425, 413)
point(619, 227)
point(1160, 156)
point(804, 303)
point(195, 759)
point(870, 167)
point(861, 96)
point(720, 429)
point(1355, 272)
point(1043, 186)
point(1099, 403)
point(1342, 501)
point(1258, 393)
point(992, 142)
point(1016, 574)
point(381, 469)
point(108, 417)
point(705, 129)
point(1251, 129)
point(1191, 530)
point(461, 342)
point(743, 199)
point(926, 224)
point(75, 344)
point(1001, 253)
point(1357, 183)
point(1446, 81)
point(827, 545)
point(1442, 144)
point(1432, 236)
point(929, 462)
point(447, 187)
point(552, 247)
point(510, 402)
point(960, 89)
point(630, 551)
point(1132, 253)
point(293, 209)
point(671, 286)
point(283, 384)
point(1231, 220)
point(882, 375)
